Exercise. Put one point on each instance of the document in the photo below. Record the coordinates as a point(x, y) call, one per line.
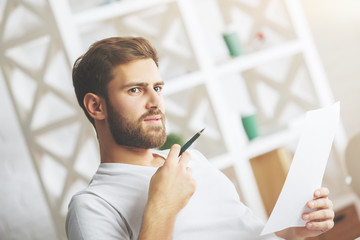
point(306, 170)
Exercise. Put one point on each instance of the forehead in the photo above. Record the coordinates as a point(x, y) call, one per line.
point(143, 70)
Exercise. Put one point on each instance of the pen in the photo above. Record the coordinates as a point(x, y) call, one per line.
point(191, 141)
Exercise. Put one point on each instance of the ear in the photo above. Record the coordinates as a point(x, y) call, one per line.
point(95, 106)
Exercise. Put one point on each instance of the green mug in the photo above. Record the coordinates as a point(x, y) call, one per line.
point(233, 43)
point(250, 126)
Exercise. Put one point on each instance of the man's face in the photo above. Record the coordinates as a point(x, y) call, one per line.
point(135, 107)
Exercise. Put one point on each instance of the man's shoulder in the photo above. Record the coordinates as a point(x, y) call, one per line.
point(87, 211)
point(84, 196)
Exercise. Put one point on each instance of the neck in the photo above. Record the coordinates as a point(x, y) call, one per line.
point(113, 153)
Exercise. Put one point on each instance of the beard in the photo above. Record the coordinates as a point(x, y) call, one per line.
point(132, 133)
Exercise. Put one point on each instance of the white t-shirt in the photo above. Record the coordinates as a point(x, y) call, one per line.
point(112, 206)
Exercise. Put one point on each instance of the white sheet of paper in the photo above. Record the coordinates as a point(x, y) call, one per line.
point(306, 170)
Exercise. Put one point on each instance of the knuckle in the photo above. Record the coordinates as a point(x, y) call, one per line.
point(318, 215)
point(325, 191)
point(315, 225)
point(322, 203)
point(332, 215)
point(312, 204)
point(326, 215)
point(328, 225)
point(330, 203)
point(175, 146)
point(186, 154)
point(321, 214)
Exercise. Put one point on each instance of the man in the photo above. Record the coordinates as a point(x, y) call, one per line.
point(141, 193)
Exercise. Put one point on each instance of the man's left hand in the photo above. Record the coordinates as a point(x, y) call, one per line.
point(319, 220)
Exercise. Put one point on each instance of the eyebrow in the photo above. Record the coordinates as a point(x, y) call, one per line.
point(141, 84)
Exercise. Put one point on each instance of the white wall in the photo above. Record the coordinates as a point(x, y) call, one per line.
point(24, 211)
point(335, 25)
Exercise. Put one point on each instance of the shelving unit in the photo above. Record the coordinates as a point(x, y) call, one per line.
point(280, 77)
point(195, 91)
point(114, 10)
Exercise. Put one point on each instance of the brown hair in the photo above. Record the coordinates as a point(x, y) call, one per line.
point(94, 70)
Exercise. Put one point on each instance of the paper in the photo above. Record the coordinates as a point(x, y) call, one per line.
point(307, 169)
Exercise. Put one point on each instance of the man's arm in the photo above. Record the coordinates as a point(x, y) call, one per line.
point(170, 189)
point(319, 221)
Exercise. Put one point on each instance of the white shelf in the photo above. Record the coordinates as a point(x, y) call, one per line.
point(222, 162)
point(114, 10)
point(258, 147)
point(252, 60)
point(184, 82)
point(234, 65)
point(268, 143)
point(209, 71)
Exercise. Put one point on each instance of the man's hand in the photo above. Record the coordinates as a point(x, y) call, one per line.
point(319, 220)
point(171, 187)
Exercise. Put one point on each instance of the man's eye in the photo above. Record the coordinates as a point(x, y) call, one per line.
point(158, 89)
point(134, 90)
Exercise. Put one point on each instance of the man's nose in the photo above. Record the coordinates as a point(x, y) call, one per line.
point(154, 100)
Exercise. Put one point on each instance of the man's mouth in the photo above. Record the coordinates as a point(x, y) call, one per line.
point(153, 119)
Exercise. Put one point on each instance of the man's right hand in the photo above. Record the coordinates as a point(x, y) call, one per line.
point(171, 187)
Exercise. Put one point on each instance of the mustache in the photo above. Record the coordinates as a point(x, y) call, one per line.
point(152, 113)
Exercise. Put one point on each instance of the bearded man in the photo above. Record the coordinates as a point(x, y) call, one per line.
point(141, 193)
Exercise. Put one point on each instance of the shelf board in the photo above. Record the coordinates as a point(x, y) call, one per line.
point(184, 82)
point(258, 147)
point(113, 10)
point(222, 162)
point(234, 65)
point(252, 60)
point(344, 200)
point(265, 144)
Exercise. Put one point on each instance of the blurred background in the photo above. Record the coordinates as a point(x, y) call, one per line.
point(246, 70)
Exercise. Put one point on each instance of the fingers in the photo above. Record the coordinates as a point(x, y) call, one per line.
point(184, 159)
point(321, 192)
point(322, 226)
point(319, 215)
point(320, 203)
point(321, 219)
point(172, 158)
point(321, 200)
point(323, 209)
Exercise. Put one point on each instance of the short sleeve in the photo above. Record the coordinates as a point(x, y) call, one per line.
point(90, 217)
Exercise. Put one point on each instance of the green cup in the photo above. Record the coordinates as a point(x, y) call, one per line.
point(233, 43)
point(250, 126)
